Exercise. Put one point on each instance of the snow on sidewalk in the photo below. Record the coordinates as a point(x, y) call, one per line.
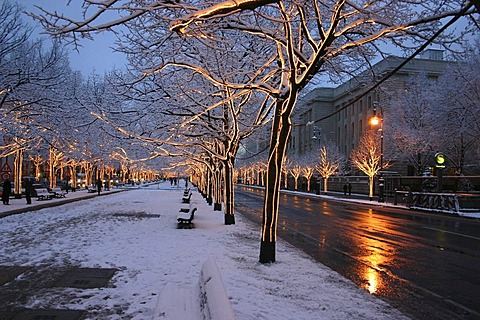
point(136, 232)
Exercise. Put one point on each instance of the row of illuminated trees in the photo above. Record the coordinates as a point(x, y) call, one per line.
point(47, 126)
point(205, 76)
point(326, 161)
point(49, 164)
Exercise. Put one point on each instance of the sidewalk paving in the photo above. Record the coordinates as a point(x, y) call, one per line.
point(135, 233)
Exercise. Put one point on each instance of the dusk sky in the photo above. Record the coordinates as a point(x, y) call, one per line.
point(95, 55)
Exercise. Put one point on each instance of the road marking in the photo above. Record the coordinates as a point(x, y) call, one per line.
point(455, 233)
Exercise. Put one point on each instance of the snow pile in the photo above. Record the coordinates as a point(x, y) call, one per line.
point(136, 232)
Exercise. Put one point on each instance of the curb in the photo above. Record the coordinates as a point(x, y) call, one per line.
point(57, 203)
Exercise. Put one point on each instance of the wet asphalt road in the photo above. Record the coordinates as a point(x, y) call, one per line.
point(427, 265)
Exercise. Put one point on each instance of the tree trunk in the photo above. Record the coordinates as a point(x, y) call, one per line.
point(325, 185)
point(209, 189)
point(51, 163)
point(229, 193)
point(281, 127)
point(370, 187)
point(17, 173)
point(217, 188)
point(73, 177)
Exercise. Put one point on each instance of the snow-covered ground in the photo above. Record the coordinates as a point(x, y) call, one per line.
point(112, 231)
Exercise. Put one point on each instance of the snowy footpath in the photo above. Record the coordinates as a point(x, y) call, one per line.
point(136, 233)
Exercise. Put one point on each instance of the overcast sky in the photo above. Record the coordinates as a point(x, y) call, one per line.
point(95, 55)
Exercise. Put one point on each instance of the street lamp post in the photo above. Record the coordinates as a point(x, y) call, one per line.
point(316, 136)
point(378, 121)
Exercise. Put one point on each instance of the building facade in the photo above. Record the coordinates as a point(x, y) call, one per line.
point(342, 114)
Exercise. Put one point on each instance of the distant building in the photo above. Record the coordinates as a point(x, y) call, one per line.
point(344, 121)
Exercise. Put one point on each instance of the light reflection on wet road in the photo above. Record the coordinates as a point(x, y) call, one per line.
point(425, 264)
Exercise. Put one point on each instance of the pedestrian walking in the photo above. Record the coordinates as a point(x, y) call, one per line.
point(345, 189)
point(99, 186)
point(349, 189)
point(7, 190)
point(28, 191)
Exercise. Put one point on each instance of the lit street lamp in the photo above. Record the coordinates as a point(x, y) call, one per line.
point(378, 121)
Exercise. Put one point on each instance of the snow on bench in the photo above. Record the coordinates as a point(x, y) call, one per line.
point(186, 199)
point(59, 193)
point(186, 217)
point(43, 194)
point(206, 300)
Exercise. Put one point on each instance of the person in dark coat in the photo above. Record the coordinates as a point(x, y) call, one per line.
point(99, 186)
point(345, 189)
point(7, 190)
point(349, 189)
point(28, 191)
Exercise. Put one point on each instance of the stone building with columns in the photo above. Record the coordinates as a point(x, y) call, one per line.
point(342, 114)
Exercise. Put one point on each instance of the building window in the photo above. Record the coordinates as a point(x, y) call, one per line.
point(338, 136)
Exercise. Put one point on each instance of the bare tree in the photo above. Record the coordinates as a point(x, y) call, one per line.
point(307, 167)
point(330, 163)
point(367, 158)
point(295, 170)
point(309, 44)
point(411, 123)
point(458, 111)
point(306, 38)
point(14, 34)
point(308, 170)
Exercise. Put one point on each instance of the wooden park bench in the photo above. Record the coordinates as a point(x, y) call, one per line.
point(186, 199)
point(185, 218)
point(91, 189)
point(44, 194)
point(59, 193)
point(205, 300)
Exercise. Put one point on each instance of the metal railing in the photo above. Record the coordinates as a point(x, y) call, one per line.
point(451, 202)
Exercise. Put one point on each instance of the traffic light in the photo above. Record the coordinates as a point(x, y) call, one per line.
point(439, 160)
